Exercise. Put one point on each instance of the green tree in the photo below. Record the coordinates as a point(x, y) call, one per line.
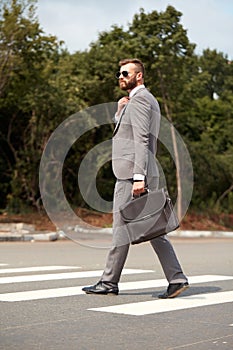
point(41, 85)
point(209, 127)
point(30, 103)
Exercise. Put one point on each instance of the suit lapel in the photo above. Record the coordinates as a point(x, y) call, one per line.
point(119, 121)
point(123, 112)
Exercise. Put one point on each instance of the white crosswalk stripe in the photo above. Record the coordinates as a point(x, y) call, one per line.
point(41, 294)
point(37, 268)
point(124, 286)
point(27, 274)
point(165, 305)
point(61, 276)
point(163, 282)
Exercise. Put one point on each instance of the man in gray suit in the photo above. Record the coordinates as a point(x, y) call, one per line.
point(133, 160)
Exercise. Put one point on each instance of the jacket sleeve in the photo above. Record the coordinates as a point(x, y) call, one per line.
point(140, 116)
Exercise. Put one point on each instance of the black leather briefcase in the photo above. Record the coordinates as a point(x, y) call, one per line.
point(149, 216)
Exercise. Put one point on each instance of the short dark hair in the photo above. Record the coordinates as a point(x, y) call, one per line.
point(136, 61)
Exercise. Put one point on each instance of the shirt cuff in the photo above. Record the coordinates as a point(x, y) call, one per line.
point(138, 177)
point(116, 117)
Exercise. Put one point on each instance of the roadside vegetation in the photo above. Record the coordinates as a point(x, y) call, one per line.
point(42, 84)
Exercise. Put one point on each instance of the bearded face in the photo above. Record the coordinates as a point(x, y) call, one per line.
point(128, 83)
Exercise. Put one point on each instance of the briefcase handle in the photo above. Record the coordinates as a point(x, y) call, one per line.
point(141, 194)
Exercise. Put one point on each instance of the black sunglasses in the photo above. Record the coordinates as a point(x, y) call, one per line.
point(124, 73)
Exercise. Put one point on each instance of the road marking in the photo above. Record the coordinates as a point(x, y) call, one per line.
point(37, 268)
point(165, 305)
point(41, 294)
point(71, 291)
point(60, 276)
point(163, 282)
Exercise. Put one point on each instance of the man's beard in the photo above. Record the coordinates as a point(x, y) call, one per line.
point(128, 85)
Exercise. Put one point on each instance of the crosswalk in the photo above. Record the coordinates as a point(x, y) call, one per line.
point(159, 306)
point(23, 277)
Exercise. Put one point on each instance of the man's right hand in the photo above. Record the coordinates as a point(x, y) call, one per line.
point(121, 104)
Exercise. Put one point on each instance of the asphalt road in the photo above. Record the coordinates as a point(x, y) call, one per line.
point(42, 305)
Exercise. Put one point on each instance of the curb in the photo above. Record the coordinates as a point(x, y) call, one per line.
point(201, 234)
point(17, 237)
point(24, 235)
point(21, 232)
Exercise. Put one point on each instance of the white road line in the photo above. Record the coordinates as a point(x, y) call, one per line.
point(37, 268)
point(69, 291)
point(41, 294)
point(163, 282)
point(165, 305)
point(60, 276)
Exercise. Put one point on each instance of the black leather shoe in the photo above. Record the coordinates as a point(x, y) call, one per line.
point(101, 288)
point(173, 290)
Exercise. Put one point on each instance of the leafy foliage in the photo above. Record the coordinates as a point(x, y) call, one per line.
point(41, 84)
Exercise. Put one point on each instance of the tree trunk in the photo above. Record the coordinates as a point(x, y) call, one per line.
point(223, 195)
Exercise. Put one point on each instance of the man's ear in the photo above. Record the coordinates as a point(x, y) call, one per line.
point(139, 76)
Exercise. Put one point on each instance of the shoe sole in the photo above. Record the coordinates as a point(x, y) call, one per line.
point(102, 293)
point(178, 292)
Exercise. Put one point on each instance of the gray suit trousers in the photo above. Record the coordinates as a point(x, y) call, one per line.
point(120, 243)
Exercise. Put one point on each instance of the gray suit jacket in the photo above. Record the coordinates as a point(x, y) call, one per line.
point(135, 137)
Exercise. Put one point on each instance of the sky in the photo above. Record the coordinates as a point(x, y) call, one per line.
point(209, 23)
